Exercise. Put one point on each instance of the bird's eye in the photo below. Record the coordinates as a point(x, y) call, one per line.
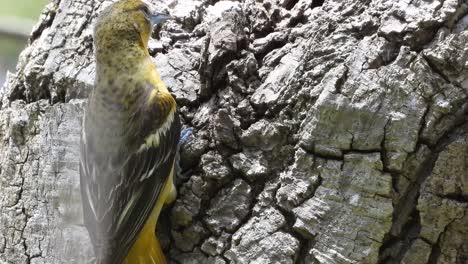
point(145, 10)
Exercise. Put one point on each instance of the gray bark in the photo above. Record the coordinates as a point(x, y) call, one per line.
point(324, 132)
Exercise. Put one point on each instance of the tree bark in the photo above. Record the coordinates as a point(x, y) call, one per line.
point(323, 132)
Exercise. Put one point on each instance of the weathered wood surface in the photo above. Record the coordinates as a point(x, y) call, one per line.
point(324, 132)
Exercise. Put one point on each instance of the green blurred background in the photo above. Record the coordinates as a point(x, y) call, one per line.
point(17, 17)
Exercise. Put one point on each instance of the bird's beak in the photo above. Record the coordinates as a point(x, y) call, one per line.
point(157, 18)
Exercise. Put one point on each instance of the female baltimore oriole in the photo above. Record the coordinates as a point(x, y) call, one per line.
point(129, 139)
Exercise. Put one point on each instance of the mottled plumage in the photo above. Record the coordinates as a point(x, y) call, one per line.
point(129, 140)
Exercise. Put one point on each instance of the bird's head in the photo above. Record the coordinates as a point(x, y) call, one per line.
point(126, 23)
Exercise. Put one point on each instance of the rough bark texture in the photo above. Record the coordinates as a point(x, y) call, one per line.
point(324, 132)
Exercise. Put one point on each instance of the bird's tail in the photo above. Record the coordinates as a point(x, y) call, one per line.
point(146, 250)
point(157, 253)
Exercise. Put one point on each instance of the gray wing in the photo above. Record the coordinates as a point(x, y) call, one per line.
point(119, 193)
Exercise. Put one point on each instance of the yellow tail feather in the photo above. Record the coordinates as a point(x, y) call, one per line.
point(158, 253)
point(147, 249)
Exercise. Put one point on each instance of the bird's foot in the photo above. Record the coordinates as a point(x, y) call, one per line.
point(185, 135)
point(181, 175)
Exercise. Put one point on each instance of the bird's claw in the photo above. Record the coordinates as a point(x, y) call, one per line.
point(184, 138)
point(185, 135)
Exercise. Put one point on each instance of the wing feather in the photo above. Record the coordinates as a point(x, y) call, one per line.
point(119, 193)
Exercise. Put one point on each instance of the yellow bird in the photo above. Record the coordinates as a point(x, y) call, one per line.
point(129, 139)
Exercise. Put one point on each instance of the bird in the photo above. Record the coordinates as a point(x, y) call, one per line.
point(129, 139)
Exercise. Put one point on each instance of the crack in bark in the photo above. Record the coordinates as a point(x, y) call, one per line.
point(436, 251)
point(411, 196)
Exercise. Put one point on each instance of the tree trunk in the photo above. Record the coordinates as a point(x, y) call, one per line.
point(323, 132)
